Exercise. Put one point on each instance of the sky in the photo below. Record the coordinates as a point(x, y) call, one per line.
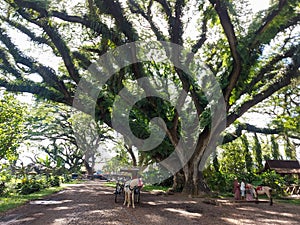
point(259, 4)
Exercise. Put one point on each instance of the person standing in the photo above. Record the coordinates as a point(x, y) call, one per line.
point(236, 189)
point(243, 189)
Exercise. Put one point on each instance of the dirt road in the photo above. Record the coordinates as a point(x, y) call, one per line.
point(93, 203)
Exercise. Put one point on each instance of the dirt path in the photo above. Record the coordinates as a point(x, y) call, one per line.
point(93, 203)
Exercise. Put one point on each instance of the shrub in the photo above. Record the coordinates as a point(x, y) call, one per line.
point(274, 180)
point(2, 189)
point(54, 181)
point(29, 186)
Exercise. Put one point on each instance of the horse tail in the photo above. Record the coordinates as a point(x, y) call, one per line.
point(270, 193)
point(256, 194)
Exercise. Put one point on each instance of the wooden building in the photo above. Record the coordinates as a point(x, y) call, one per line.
point(283, 167)
point(286, 167)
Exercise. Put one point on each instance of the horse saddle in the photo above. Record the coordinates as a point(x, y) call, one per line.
point(259, 188)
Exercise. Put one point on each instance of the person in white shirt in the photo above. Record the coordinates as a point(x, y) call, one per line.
point(243, 188)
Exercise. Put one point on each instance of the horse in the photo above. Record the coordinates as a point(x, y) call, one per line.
point(260, 190)
point(130, 188)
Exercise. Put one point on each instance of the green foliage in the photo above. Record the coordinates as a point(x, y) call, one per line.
point(290, 149)
point(232, 159)
point(154, 175)
point(272, 179)
point(37, 183)
point(2, 188)
point(275, 148)
point(54, 181)
point(247, 154)
point(258, 152)
point(12, 117)
point(219, 181)
point(233, 163)
point(28, 186)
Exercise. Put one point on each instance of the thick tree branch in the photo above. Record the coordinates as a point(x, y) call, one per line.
point(85, 62)
point(94, 25)
point(292, 72)
point(58, 42)
point(35, 89)
point(47, 73)
point(225, 20)
point(229, 137)
point(175, 23)
point(27, 31)
point(261, 75)
point(114, 9)
point(266, 23)
point(7, 66)
point(166, 7)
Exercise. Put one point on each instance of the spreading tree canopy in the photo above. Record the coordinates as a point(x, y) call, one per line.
point(252, 56)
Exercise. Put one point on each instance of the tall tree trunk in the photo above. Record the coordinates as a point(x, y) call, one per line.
point(131, 153)
point(89, 169)
point(193, 180)
point(195, 184)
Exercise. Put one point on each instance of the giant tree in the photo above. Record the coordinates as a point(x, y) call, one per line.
point(252, 56)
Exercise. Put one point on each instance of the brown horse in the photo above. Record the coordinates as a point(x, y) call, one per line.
point(261, 190)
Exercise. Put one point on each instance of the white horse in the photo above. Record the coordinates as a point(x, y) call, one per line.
point(261, 190)
point(129, 188)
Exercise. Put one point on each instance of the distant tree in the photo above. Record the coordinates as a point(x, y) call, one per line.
point(12, 118)
point(290, 149)
point(90, 137)
point(55, 131)
point(258, 152)
point(247, 155)
point(232, 159)
point(119, 161)
point(275, 148)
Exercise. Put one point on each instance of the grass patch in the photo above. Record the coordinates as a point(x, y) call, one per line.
point(224, 195)
point(14, 200)
point(154, 187)
point(289, 201)
point(110, 184)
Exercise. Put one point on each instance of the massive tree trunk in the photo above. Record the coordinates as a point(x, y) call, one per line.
point(89, 169)
point(195, 184)
point(191, 183)
point(190, 179)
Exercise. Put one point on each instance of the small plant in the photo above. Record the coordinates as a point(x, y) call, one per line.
point(54, 181)
point(29, 186)
point(2, 189)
